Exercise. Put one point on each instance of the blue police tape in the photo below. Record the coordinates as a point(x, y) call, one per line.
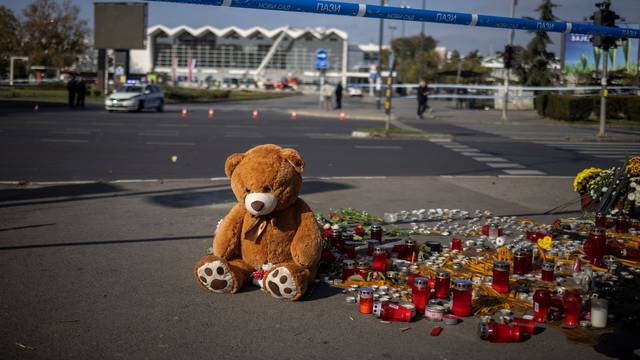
point(397, 13)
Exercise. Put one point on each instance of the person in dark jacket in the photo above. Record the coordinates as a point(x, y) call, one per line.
point(81, 92)
point(338, 94)
point(423, 98)
point(72, 87)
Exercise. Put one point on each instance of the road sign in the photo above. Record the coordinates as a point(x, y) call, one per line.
point(322, 60)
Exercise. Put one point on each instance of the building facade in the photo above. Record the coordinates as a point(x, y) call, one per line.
point(233, 55)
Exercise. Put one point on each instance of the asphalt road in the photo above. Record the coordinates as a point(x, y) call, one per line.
point(62, 145)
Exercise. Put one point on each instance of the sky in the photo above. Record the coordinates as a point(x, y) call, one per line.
point(362, 30)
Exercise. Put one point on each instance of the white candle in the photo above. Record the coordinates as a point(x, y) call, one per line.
point(599, 313)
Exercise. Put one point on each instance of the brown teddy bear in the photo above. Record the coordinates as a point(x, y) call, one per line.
point(268, 225)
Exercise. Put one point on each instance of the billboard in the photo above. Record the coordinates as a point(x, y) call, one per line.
point(120, 25)
point(581, 57)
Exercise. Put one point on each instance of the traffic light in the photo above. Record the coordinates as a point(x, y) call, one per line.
point(508, 57)
point(604, 16)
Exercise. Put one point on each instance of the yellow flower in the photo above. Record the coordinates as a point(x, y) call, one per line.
point(582, 180)
point(546, 242)
point(633, 166)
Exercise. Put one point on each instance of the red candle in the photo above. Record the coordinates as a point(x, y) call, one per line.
point(527, 326)
point(548, 269)
point(363, 269)
point(336, 239)
point(601, 220)
point(622, 225)
point(456, 245)
point(380, 260)
point(348, 268)
point(572, 304)
point(497, 332)
point(595, 246)
point(411, 278)
point(366, 301)
point(501, 277)
point(376, 232)
point(541, 303)
point(350, 249)
point(461, 299)
point(521, 261)
point(371, 246)
point(395, 312)
point(443, 281)
point(410, 250)
point(420, 294)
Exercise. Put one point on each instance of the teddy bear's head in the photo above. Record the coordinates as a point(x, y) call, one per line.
point(266, 178)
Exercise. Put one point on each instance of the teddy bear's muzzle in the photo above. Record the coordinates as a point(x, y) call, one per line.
point(259, 204)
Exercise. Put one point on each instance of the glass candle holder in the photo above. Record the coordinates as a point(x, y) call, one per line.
point(366, 301)
point(380, 260)
point(595, 246)
point(336, 239)
point(601, 220)
point(363, 269)
point(348, 269)
point(376, 232)
point(527, 326)
point(410, 250)
point(420, 294)
point(599, 313)
point(622, 224)
point(443, 281)
point(456, 245)
point(395, 312)
point(350, 249)
point(462, 295)
point(571, 303)
point(548, 270)
point(501, 277)
point(541, 303)
point(498, 332)
point(520, 258)
point(371, 246)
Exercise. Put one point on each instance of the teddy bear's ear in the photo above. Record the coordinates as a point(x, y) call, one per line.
point(232, 162)
point(294, 158)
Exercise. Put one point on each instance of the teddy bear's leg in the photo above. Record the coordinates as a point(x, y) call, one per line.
point(218, 275)
point(287, 281)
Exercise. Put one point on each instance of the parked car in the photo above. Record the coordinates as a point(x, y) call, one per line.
point(136, 98)
point(352, 91)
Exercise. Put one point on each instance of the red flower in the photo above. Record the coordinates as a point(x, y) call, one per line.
point(359, 230)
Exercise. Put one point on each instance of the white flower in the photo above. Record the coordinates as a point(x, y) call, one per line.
point(631, 196)
point(633, 185)
point(605, 189)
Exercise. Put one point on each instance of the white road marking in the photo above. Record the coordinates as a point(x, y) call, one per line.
point(377, 147)
point(490, 159)
point(468, 149)
point(245, 136)
point(441, 140)
point(65, 140)
point(524, 172)
point(170, 143)
point(504, 165)
point(474, 154)
point(71, 132)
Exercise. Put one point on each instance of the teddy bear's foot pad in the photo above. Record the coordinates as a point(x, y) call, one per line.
point(280, 284)
point(216, 276)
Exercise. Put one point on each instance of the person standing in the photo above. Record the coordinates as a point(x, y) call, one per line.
point(423, 98)
point(327, 93)
point(72, 86)
point(338, 94)
point(81, 92)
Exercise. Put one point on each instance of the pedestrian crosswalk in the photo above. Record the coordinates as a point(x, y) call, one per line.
point(505, 166)
point(612, 151)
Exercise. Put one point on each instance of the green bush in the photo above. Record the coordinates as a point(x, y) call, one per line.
point(620, 107)
point(541, 102)
point(569, 108)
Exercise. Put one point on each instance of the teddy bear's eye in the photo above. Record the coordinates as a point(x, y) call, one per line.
point(247, 190)
point(266, 189)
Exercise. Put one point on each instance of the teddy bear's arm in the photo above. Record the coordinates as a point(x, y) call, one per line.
point(306, 246)
point(227, 237)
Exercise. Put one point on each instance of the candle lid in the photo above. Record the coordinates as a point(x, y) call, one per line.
point(462, 285)
point(442, 274)
point(597, 231)
point(501, 265)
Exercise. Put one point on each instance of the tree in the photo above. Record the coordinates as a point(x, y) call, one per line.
point(534, 61)
point(9, 42)
point(409, 56)
point(53, 33)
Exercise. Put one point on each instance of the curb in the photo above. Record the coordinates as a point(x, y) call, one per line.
point(368, 135)
point(320, 114)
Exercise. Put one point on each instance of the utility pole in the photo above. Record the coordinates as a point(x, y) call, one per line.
point(379, 67)
point(421, 67)
point(505, 101)
point(604, 94)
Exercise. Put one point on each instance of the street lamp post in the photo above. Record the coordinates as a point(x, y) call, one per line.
point(378, 69)
point(505, 101)
point(603, 95)
point(421, 67)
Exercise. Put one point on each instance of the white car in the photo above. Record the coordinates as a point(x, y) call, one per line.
point(135, 98)
point(354, 91)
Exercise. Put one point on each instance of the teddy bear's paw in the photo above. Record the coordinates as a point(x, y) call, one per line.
point(215, 276)
point(280, 284)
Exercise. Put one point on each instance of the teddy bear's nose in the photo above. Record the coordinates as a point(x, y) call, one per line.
point(257, 205)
